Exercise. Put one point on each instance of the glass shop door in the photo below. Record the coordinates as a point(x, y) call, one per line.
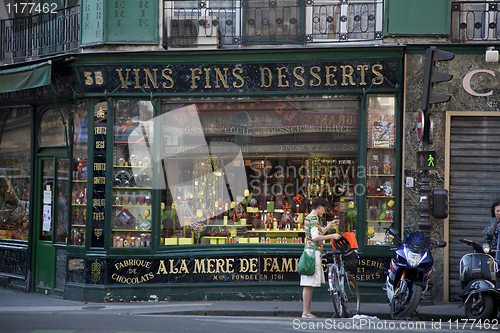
point(51, 220)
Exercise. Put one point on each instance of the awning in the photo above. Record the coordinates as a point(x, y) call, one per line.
point(25, 77)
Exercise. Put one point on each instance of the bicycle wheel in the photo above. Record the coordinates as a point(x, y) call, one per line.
point(351, 296)
point(335, 291)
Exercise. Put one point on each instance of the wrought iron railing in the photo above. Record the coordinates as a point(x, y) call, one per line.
point(210, 23)
point(475, 21)
point(270, 22)
point(40, 35)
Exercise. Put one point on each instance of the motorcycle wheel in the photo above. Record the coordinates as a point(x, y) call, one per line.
point(479, 306)
point(406, 301)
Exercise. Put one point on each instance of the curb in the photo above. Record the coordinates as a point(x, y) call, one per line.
point(418, 316)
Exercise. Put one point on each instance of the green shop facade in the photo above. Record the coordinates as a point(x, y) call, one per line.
point(187, 175)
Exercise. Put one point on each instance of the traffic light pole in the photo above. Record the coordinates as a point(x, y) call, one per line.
point(424, 225)
point(429, 97)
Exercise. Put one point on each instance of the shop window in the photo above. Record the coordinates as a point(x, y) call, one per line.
point(80, 170)
point(62, 206)
point(15, 160)
point(247, 172)
point(381, 169)
point(131, 218)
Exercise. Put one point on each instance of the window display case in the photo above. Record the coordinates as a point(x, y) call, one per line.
point(132, 193)
point(248, 172)
point(380, 169)
point(15, 186)
point(78, 217)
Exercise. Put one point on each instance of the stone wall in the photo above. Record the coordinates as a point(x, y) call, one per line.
point(460, 101)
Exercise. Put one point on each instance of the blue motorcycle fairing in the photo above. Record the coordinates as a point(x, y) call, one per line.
point(476, 286)
point(415, 242)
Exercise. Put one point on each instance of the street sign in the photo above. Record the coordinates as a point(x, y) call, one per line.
point(420, 125)
point(431, 129)
point(426, 160)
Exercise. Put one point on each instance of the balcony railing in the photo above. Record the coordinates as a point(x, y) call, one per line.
point(270, 22)
point(215, 23)
point(40, 35)
point(475, 21)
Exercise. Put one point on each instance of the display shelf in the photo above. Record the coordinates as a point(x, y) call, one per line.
point(282, 231)
point(376, 175)
point(133, 166)
point(178, 241)
point(78, 210)
point(134, 143)
point(132, 180)
point(228, 225)
point(380, 196)
point(125, 188)
point(131, 230)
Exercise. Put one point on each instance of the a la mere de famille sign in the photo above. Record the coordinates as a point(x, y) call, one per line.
point(244, 268)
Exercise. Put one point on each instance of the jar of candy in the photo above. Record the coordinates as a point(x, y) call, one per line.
point(388, 189)
point(387, 165)
point(375, 165)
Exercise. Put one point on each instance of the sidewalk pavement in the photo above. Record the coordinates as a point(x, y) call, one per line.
point(14, 301)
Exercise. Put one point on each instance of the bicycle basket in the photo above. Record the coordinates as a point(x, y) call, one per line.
point(351, 262)
point(341, 244)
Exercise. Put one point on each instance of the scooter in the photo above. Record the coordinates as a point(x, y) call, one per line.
point(409, 273)
point(478, 274)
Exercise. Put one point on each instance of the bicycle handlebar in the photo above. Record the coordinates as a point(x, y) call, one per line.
point(338, 252)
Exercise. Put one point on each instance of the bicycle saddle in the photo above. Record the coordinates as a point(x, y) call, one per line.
point(342, 244)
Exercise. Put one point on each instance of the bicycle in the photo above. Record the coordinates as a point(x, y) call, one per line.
point(342, 285)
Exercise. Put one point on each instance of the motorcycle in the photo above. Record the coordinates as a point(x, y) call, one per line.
point(478, 275)
point(409, 273)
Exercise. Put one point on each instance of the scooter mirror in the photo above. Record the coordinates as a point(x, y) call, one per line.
point(393, 232)
point(441, 243)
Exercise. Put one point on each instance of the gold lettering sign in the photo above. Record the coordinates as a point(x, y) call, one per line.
point(92, 78)
point(100, 130)
point(98, 216)
point(52, 131)
point(99, 180)
point(99, 202)
point(369, 269)
point(99, 166)
point(227, 269)
point(266, 77)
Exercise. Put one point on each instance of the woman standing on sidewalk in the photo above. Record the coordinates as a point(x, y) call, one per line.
point(492, 230)
point(315, 233)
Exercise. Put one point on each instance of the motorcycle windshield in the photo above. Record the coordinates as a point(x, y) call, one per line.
point(417, 242)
